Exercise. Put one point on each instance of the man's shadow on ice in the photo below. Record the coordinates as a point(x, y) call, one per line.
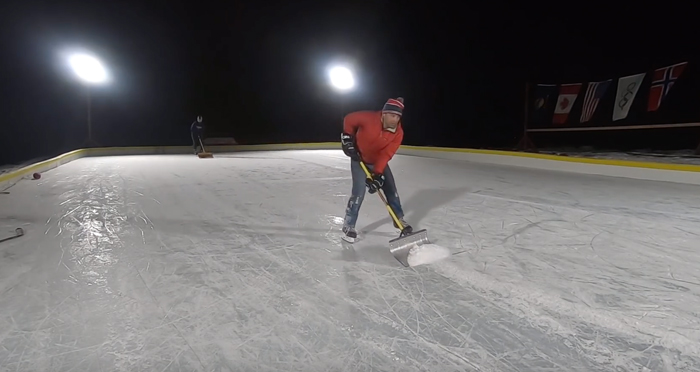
point(419, 205)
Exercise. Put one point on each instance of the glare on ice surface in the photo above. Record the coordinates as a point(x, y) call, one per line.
point(173, 263)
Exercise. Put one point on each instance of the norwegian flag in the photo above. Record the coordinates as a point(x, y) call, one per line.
point(662, 81)
point(594, 92)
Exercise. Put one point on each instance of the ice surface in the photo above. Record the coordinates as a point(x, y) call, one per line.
point(174, 263)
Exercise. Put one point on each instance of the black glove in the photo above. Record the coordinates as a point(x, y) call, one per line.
point(375, 183)
point(348, 143)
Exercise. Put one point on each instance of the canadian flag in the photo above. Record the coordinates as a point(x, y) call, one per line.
point(567, 97)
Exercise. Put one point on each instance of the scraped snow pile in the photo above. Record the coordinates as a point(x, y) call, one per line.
point(427, 254)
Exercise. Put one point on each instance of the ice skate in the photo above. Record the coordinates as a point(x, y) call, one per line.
point(349, 234)
point(406, 227)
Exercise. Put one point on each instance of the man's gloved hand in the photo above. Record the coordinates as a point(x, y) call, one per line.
point(348, 143)
point(376, 183)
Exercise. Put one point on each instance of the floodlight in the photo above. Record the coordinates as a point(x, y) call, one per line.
point(88, 68)
point(341, 78)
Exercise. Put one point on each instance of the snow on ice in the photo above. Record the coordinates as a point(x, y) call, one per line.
point(427, 254)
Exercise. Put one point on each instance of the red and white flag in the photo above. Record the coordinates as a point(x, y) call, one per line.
point(567, 97)
point(661, 83)
point(594, 92)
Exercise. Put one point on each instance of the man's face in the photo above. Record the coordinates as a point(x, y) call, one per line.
point(390, 120)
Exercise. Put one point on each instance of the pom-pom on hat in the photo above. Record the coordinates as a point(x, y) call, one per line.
point(394, 106)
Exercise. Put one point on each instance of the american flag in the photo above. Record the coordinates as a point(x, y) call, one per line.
point(594, 92)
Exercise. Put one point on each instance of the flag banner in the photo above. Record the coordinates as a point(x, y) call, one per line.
point(627, 88)
point(567, 97)
point(543, 103)
point(594, 92)
point(661, 83)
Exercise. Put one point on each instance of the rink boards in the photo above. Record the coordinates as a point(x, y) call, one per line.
point(678, 173)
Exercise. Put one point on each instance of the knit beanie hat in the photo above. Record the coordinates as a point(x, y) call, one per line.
point(394, 106)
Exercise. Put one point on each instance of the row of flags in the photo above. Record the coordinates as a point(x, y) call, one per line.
point(627, 89)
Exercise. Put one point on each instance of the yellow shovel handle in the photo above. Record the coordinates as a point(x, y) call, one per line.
point(381, 195)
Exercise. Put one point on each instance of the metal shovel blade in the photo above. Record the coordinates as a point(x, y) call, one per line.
point(401, 246)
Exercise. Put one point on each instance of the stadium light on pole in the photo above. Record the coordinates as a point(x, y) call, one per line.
point(342, 80)
point(91, 72)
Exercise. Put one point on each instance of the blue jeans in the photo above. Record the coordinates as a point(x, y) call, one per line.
point(358, 192)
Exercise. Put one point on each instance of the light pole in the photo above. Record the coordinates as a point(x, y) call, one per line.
point(342, 80)
point(91, 72)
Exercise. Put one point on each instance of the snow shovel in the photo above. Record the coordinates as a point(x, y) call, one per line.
point(401, 246)
point(204, 153)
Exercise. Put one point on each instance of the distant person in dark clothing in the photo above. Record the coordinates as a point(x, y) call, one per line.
point(197, 132)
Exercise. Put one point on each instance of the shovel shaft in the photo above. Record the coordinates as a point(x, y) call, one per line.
point(18, 232)
point(381, 195)
point(400, 247)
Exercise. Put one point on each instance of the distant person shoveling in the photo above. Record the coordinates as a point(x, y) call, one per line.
point(197, 132)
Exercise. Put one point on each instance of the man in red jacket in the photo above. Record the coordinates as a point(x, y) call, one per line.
point(374, 137)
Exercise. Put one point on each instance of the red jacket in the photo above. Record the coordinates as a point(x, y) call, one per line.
point(376, 145)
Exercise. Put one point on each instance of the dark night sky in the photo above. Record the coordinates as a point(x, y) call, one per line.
point(256, 72)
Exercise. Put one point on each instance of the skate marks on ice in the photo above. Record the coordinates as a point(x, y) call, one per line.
point(298, 314)
point(595, 338)
point(445, 326)
point(305, 158)
point(418, 205)
point(262, 304)
point(519, 301)
point(620, 288)
point(367, 253)
point(81, 304)
point(334, 232)
point(275, 309)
